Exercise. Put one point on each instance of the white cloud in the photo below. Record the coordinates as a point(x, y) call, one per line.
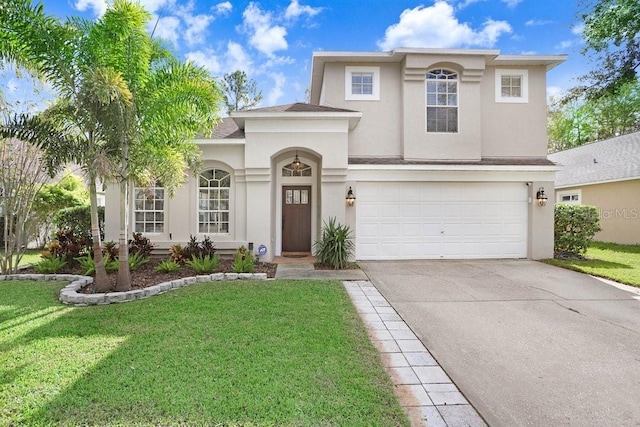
point(466, 3)
point(167, 28)
point(99, 7)
point(153, 6)
point(223, 8)
point(578, 29)
point(276, 91)
point(511, 3)
point(294, 10)
point(436, 26)
point(205, 58)
point(236, 58)
point(196, 28)
point(265, 36)
point(537, 22)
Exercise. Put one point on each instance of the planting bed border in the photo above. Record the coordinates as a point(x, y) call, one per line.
point(69, 295)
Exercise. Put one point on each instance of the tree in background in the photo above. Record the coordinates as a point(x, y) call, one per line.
point(572, 123)
point(240, 92)
point(69, 192)
point(612, 34)
point(21, 177)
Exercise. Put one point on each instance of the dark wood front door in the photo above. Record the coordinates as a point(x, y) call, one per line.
point(296, 219)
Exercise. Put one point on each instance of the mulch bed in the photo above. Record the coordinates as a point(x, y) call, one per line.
point(146, 276)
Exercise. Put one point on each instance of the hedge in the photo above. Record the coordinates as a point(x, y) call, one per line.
point(574, 227)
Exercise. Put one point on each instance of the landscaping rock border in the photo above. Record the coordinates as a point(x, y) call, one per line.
point(69, 295)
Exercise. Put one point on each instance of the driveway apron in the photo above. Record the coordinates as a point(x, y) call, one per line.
point(527, 343)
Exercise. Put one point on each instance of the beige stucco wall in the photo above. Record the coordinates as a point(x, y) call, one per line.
point(618, 204)
point(379, 132)
point(395, 126)
point(515, 129)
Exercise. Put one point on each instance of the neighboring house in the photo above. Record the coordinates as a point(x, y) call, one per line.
point(444, 151)
point(604, 174)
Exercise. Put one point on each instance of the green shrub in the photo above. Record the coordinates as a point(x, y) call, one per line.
point(167, 266)
point(205, 264)
point(50, 265)
point(335, 246)
point(193, 248)
point(243, 261)
point(137, 260)
point(110, 248)
point(88, 264)
point(574, 227)
point(78, 220)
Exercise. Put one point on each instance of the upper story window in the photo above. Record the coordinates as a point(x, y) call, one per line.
point(512, 86)
point(362, 84)
point(214, 187)
point(148, 209)
point(442, 101)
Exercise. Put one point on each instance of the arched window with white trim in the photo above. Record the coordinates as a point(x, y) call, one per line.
point(214, 187)
point(442, 101)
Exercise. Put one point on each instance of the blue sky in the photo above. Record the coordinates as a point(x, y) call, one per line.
point(273, 40)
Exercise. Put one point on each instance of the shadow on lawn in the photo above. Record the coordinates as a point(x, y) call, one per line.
point(210, 354)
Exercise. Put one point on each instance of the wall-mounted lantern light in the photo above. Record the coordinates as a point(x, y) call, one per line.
point(296, 164)
point(351, 198)
point(541, 197)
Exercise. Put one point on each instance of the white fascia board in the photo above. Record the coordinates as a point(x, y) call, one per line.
point(550, 61)
point(352, 117)
point(234, 141)
point(449, 175)
point(459, 167)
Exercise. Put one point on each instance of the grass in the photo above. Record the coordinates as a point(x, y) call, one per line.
point(31, 256)
point(609, 260)
point(240, 353)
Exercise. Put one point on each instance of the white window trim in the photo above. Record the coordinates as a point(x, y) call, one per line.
point(525, 86)
point(457, 80)
point(375, 96)
point(561, 193)
point(134, 211)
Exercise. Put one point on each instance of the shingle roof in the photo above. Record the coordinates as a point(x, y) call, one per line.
point(227, 129)
point(608, 160)
point(299, 107)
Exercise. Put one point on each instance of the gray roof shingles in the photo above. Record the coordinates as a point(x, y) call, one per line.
point(612, 159)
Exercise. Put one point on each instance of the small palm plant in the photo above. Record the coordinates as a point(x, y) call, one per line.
point(335, 246)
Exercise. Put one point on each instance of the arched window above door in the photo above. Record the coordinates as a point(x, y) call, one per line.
point(303, 170)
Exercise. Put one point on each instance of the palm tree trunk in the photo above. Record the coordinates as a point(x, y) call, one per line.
point(123, 281)
point(101, 282)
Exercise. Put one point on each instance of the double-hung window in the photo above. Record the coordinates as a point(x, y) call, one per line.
point(148, 209)
point(442, 101)
point(214, 187)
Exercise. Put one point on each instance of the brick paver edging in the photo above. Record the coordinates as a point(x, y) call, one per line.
point(69, 294)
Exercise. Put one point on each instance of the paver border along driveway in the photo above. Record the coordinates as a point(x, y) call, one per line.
point(527, 343)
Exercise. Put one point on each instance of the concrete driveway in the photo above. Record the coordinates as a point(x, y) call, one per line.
point(527, 343)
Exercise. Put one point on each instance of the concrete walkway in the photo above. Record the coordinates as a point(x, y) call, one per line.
point(424, 390)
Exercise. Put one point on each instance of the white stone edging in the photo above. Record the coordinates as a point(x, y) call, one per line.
point(69, 294)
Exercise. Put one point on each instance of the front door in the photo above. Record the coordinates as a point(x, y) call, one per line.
point(296, 219)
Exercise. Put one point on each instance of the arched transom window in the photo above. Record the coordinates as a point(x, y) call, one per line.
point(303, 170)
point(442, 101)
point(213, 201)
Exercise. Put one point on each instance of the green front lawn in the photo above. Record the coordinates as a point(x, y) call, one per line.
point(31, 256)
point(609, 260)
point(233, 353)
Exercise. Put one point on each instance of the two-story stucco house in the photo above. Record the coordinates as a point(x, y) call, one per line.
point(443, 150)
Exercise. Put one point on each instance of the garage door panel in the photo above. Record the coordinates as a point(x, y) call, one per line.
point(408, 220)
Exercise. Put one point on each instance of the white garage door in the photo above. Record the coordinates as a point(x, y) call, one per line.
point(433, 220)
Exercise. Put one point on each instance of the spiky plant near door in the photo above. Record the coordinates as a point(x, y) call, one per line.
point(335, 246)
